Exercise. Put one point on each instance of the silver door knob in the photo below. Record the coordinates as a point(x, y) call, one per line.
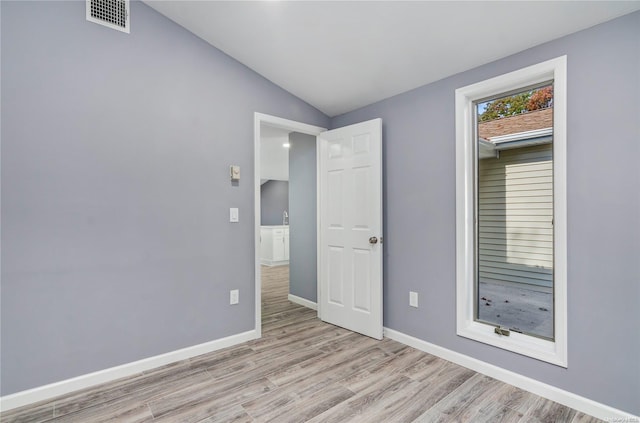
point(373, 240)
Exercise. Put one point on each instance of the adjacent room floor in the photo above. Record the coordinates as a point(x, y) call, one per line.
point(303, 370)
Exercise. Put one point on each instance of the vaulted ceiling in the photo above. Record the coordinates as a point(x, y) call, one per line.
point(342, 55)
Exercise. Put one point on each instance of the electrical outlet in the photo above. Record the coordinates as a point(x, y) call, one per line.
point(234, 296)
point(413, 299)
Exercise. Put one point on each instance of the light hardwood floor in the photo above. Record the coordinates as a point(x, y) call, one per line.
point(303, 370)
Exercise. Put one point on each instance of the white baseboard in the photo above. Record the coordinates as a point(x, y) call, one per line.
point(273, 263)
point(544, 390)
point(303, 302)
point(53, 390)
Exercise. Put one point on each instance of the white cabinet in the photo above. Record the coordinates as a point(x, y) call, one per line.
point(274, 245)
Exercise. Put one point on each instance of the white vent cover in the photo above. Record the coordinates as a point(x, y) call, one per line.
point(111, 13)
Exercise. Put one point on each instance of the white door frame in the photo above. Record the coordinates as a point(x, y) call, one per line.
point(293, 126)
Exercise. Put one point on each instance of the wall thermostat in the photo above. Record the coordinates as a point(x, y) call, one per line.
point(235, 172)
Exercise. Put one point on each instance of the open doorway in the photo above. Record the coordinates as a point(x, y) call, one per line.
point(284, 149)
point(347, 266)
point(274, 220)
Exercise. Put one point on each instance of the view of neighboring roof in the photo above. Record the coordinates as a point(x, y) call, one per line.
point(530, 121)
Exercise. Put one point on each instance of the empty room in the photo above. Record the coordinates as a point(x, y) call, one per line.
point(323, 211)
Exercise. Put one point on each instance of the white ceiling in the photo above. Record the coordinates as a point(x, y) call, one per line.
point(342, 55)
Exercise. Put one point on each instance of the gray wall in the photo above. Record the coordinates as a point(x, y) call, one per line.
point(603, 212)
point(302, 222)
point(115, 198)
point(274, 199)
point(116, 241)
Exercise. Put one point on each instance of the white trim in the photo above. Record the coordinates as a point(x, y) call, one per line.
point(318, 230)
point(554, 352)
point(288, 125)
point(517, 136)
point(569, 399)
point(88, 380)
point(303, 302)
point(273, 263)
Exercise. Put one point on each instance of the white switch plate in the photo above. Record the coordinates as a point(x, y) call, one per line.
point(233, 215)
point(234, 296)
point(413, 299)
point(234, 170)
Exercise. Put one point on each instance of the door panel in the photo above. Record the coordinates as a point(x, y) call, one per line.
point(335, 209)
point(336, 272)
point(350, 215)
point(361, 280)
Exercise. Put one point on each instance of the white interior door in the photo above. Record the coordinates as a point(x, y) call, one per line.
point(351, 227)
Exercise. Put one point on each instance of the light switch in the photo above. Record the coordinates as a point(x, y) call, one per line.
point(235, 172)
point(233, 215)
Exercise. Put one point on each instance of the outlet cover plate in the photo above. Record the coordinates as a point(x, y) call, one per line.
point(234, 296)
point(413, 299)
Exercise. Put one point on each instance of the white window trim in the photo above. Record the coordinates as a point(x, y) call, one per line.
point(554, 352)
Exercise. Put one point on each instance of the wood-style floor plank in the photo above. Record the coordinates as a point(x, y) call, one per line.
point(302, 370)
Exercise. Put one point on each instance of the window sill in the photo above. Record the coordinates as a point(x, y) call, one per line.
point(541, 349)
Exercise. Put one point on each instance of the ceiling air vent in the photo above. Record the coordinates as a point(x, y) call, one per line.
point(111, 13)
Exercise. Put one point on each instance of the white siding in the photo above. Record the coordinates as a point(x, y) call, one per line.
point(515, 214)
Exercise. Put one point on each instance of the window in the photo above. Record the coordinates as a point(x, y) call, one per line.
point(511, 211)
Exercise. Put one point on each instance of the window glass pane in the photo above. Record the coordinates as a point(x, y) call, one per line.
point(514, 209)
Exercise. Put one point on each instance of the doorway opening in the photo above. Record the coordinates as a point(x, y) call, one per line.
point(274, 221)
point(346, 268)
point(273, 237)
